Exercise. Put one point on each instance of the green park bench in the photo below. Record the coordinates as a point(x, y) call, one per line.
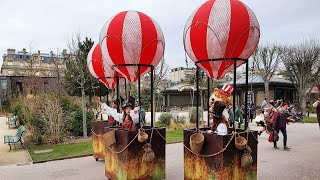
point(12, 121)
point(16, 138)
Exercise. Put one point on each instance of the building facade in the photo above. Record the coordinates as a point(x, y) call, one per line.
point(279, 88)
point(182, 96)
point(38, 64)
point(181, 74)
point(23, 73)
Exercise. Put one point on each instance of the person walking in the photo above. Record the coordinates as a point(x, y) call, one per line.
point(317, 106)
point(279, 124)
point(252, 111)
point(238, 116)
point(264, 105)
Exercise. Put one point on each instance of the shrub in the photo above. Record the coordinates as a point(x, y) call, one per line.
point(50, 117)
point(192, 114)
point(165, 119)
point(179, 119)
point(77, 122)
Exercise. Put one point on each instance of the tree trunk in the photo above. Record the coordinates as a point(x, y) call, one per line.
point(84, 116)
point(303, 100)
point(90, 100)
point(266, 88)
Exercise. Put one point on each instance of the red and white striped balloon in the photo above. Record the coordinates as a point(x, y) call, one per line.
point(131, 38)
point(103, 73)
point(221, 29)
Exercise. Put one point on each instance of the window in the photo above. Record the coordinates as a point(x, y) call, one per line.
point(10, 63)
point(19, 87)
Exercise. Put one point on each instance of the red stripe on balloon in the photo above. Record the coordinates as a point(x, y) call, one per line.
point(238, 34)
point(114, 41)
point(96, 61)
point(149, 42)
point(198, 33)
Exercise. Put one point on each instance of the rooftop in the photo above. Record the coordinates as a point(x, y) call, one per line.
point(182, 87)
point(255, 79)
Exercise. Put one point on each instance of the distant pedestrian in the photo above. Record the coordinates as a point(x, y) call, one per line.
point(317, 106)
point(238, 115)
point(264, 105)
point(252, 111)
point(279, 124)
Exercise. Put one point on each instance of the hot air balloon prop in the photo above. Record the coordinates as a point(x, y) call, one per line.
point(110, 78)
point(218, 37)
point(132, 43)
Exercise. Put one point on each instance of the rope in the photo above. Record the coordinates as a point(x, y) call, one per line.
point(160, 135)
point(254, 136)
point(151, 135)
point(95, 133)
point(210, 155)
point(118, 152)
point(248, 129)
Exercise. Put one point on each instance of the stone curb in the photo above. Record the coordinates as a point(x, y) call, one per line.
point(71, 157)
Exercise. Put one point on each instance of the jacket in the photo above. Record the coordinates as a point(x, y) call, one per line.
point(238, 115)
point(280, 121)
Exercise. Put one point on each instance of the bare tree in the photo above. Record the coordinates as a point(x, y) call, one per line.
point(58, 63)
point(52, 116)
point(302, 64)
point(160, 73)
point(76, 74)
point(267, 59)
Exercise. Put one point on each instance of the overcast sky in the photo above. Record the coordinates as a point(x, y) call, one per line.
point(48, 25)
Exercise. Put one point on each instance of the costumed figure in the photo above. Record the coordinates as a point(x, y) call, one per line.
point(105, 109)
point(129, 118)
point(223, 95)
point(220, 125)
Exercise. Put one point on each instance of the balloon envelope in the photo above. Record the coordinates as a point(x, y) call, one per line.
point(218, 32)
point(104, 73)
point(131, 38)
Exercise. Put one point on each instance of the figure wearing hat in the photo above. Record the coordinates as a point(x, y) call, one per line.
point(220, 125)
point(129, 116)
point(105, 109)
point(224, 95)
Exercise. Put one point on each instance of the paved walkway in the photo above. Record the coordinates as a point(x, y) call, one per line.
point(302, 162)
point(18, 156)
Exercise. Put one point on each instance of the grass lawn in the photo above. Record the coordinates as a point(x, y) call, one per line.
point(83, 148)
point(310, 120)
point(61, 151)
point(174, 136)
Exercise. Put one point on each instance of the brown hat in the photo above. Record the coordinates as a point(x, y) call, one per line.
point(218, 108)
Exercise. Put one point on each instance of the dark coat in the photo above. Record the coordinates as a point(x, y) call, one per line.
point(280, 121)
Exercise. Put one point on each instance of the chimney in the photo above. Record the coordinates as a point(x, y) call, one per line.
point(64, 52)
point(24, 51)
point(11, 51)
